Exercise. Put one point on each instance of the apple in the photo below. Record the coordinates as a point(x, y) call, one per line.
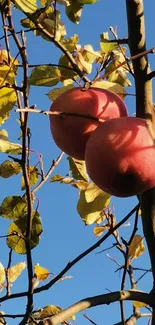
point(71, 133)
point(120, 157)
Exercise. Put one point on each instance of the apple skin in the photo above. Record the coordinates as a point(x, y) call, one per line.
point(71, 133)
point(120, 157)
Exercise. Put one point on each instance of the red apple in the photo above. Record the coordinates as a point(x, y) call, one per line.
point(120, 157)
point(71, 133)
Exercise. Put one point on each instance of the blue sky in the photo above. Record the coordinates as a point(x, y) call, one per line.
point(65, 236)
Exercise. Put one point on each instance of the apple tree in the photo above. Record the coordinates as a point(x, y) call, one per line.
point(99, 148)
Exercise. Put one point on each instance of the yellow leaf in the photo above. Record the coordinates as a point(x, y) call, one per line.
point(8, 99)
point(56, 92)
point(41, 273)
point(98, 231)
point(92, 192)
point(90, 212)
point(15, 271)
point(138, 304)
point(136, 247)
point(49, 311)
point(2, 274)
point(112, 86)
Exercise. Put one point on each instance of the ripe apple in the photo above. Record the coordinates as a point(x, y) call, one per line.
point(120, 157)
point(71, 133)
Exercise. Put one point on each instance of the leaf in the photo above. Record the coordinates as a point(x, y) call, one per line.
point(78, 169)
point(2, 273)
point(8, 147)
point(40, 272)
point(18, 228)
point(2, 319)
point(81, 185)
point(56, 178)
point(70, 43)
point(90, 212)
point(74, 11)
point(34, 176)
point(83, 65)
point(106, 45)
point(9, 168)
point(138, 304)
point(86, 2)
point(119, 76)
point(44, 76)
point(15, 271)
point(136, 247)
point(13, 207)
point(98, 230)
point(50, 310)
point(7, 102)
point(26, 5)
point(89, 54)
point(92, 192)
point(112, 86)
point(68, 72)
point(56, 92)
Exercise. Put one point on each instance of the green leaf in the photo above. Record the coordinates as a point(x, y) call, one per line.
point(92, 192)
point(112, 86)
point(44, 76)
point(26, 5)
point(74, 11)
point(34, 176)
point(8, 147)
point(90, 212)
point(9, 168)
point(18, 230)
point(86, 2)
point(56, 92)
point(78, 169)
point(13, 207)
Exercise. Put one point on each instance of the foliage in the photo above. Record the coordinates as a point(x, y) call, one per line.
point(106, 67)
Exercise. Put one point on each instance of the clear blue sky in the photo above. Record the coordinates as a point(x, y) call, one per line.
point(65, 235)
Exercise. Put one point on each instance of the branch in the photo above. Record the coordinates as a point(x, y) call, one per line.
point(144, 109)
point(104, 299)
point(73, 262)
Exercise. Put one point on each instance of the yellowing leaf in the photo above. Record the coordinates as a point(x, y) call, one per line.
point(26, 5)
point(40, 272)
point(44, 75)
point(48, 311)
point(78, 169)
point(136, 247)
point(83, 65)
point(74, 11)
point(98, 231)
point(56, 92)
point(13, 207)
point(106, 45)
point(112, 86)
point(8, 99)
point(81, 185)
point(8, 147)
point(15, 271)
point(34, 176)
point(70, 42)
point(89, 54)
point(92, 192)
point(2, 274)
point(90, 212)
point(9, 168)
point(138, 304)
point(86, 2)
point(18, 231)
